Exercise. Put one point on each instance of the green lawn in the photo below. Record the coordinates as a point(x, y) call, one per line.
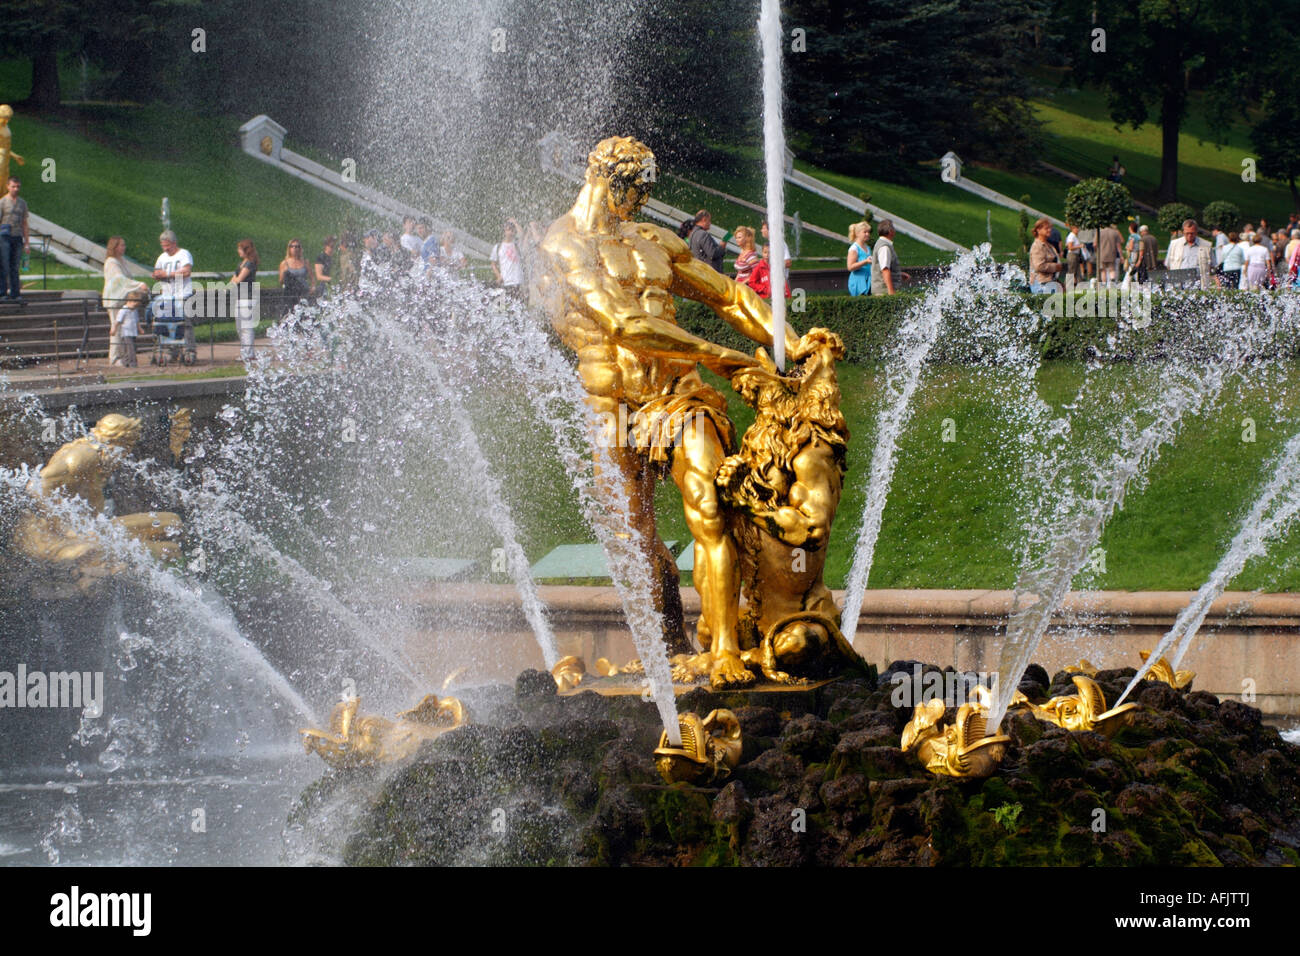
point(939, 207)
point(951, 519)
point(1082, 138)
point(113, 168)
point(812, 209)
point(746, 180)
point(730, 215)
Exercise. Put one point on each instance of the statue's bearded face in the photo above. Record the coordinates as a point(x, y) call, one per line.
point(628, 167)
point(627, 197)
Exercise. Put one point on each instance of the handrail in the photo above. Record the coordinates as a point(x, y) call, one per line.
point(83, 350)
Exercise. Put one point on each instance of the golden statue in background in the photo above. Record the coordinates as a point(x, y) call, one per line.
point(179, 433)
point(80, 469)
point(608, 285)
point(6, 145)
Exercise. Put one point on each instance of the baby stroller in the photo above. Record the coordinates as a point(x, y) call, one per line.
point(172, 332)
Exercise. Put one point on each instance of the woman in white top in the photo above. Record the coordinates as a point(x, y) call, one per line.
point(1233, 257)
point(117, 286)
point(507, 262)
point(1258, 265)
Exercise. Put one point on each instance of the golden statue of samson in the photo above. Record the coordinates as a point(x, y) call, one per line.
point(761, 512)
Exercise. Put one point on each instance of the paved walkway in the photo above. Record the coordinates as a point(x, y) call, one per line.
point(221, 358)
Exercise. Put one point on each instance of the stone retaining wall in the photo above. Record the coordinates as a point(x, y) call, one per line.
point(1246, 636)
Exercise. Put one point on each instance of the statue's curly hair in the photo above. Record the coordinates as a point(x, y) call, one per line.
point(117, 430)
point(621, 159)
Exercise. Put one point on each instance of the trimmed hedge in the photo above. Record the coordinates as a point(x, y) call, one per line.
point(1222, 215)
point(869, 325)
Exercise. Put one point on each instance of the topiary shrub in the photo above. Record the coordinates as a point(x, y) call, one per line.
point(1094, 203)
point(1171, 216)
point(1221, 215)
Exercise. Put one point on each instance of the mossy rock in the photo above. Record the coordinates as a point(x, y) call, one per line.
point(1194, 781)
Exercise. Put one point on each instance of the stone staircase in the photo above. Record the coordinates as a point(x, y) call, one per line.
point(48, 327)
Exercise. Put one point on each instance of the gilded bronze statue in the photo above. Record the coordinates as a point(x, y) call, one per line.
point(761, 512)
point(80, 469)
point(6, 144)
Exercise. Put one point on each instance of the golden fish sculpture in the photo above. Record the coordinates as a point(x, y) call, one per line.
point(710, 748)
point(1085, 710)
point(961, 749)
point(369, 740)
point(569, 672)
point(1161, 670)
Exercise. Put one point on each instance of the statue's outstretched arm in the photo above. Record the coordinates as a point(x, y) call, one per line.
point(739, 305)
point(620, 316)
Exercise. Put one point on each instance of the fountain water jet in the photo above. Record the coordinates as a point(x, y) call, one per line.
point(905, 364)
point(769, 29)
point(484, 481)
point(1260, 526)
point(1221, 343)
point(556, 394)
point(212, 518)
point(142, 565)
point(415, 320)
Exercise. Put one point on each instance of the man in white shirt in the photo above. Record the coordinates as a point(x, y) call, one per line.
point(409, 240)
point(1187, 250)
point(172, 272)
point(1073, 256)
point(886, 276)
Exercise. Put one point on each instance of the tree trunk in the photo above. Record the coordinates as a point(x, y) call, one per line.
point(1171, 120)
point(1295, 194)
point(46, 94)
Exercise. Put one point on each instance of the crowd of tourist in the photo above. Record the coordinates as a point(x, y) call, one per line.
point(872, 270)
point(344, 262)
point(1253, 257)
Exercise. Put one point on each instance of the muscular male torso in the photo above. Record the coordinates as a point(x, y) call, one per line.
point(639, 259)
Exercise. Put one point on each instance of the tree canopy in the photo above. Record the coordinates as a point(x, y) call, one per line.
point(905, 82)
point(1147, 57)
